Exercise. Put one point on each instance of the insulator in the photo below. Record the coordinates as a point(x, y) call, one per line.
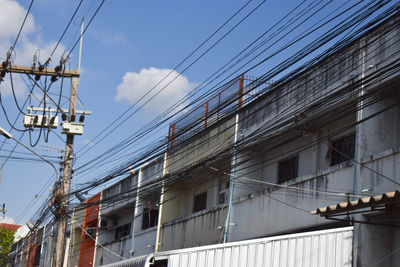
point(58, 68)
point(36, 119)
point(41, 68)
point(37, 77)
point(73, 118)
point(3, 73)
point(64, 117)
point(82, 118)
point(53, 78)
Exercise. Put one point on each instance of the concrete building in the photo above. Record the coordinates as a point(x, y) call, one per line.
point(325, 135)
point(251, 163)
point(129, 215)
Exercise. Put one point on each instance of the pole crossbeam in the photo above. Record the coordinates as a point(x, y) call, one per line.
point(44, 72)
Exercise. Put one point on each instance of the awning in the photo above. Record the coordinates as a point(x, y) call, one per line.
point(139, 261)
point(367, 202)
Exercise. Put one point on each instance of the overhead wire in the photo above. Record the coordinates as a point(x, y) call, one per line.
point(181, 102)
point(22, 26)
point(177, 66)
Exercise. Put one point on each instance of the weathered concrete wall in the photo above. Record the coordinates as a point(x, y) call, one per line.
point(112, 195)
point(379, 49)
point(172, 208)
point(198, 229)
point(273, 212)
point(114, 252)
point(312, 150)
point(261, 210)
point(382, 131)
point(145, 241)
point(153, 170)
point(179, 197)
point(204, 145)
point(376, 245)
point(117, 213)
point(106, 237)
point(378, 169)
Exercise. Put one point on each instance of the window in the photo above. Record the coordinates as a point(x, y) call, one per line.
point(150, 218)
point(200, 202)
point(288, 169)
point(342, 149)
point(122, 231)
point(223, 192)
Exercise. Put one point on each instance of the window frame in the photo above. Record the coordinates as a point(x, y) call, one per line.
point(123, 231)
point(337, 156)
point(202, 205)
point(282, 176)
point(153, 218)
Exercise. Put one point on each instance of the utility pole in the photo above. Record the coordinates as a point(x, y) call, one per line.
point(63, 191)
point(60, 197)
point(70, 128)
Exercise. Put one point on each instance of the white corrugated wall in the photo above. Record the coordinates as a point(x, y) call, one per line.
point(321, 248)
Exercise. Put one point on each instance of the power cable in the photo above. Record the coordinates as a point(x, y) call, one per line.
point(20, 29)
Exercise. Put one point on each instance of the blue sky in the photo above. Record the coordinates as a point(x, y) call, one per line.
point(129, 46)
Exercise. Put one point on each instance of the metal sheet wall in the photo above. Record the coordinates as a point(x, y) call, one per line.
point(320, 248)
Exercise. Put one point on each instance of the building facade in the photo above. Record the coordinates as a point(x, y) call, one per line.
point(251, 163)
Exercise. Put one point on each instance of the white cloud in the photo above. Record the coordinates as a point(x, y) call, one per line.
point(134, 85)
point(29, 43)
point(7, 220)
point(11, 17)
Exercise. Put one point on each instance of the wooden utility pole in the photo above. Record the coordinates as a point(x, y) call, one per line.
point(69, 156)
point(60, 193)
point(63, 190)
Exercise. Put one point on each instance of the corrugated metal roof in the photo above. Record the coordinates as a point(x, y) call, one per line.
point(139, 261)
point(367, 202)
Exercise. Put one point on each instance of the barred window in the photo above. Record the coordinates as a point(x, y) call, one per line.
point(122, 231)
point(288, 169)
point(342, 149)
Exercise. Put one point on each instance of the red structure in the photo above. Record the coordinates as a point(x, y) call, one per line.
point(13, 227)
point(34, 248)
point(88, 239)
